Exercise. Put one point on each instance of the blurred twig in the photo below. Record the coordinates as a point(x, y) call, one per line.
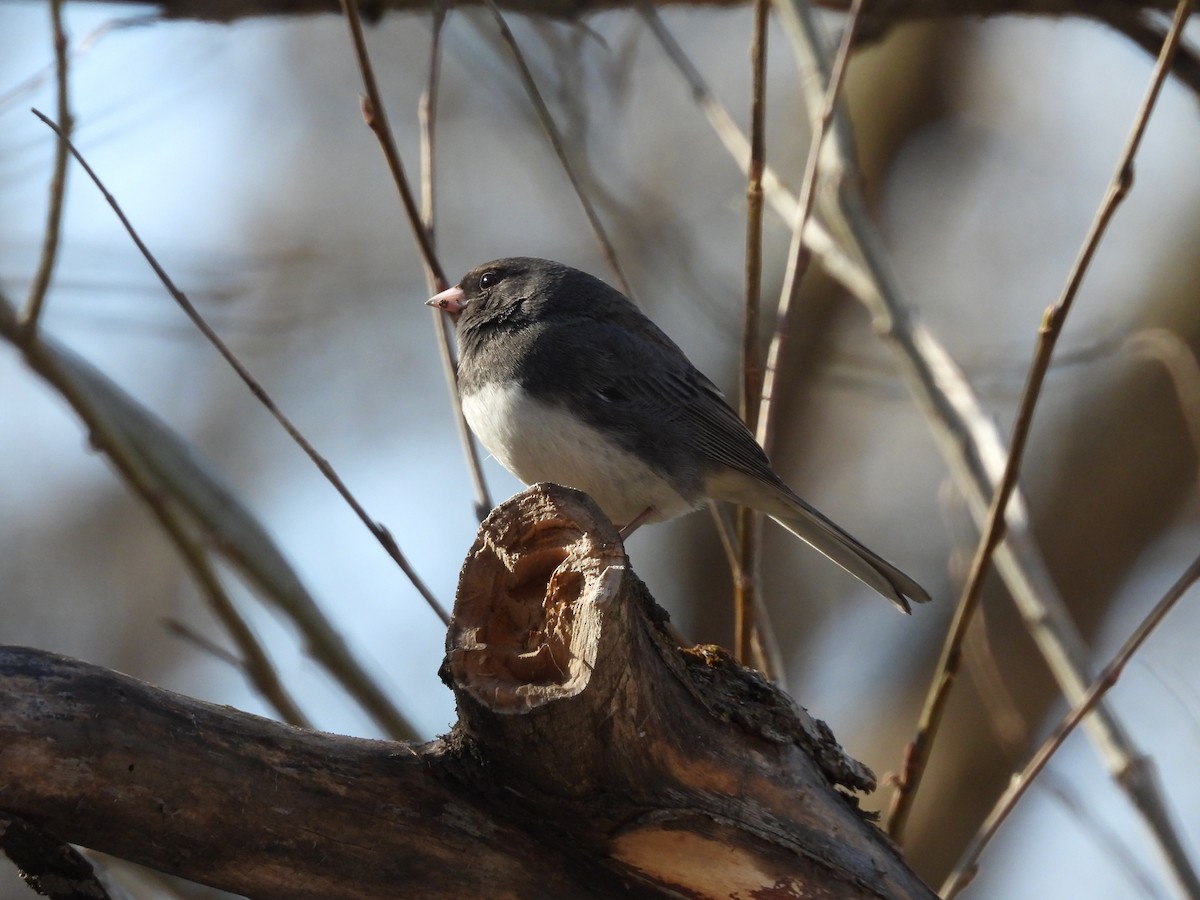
point(378, 530)
point(993, 531)
point(254, 664)
point(965, 868)
point(1008, 725)
point(556, 143)
point(158, 465)
point(375, 115)
point(1146, 30)
point(1181, 365)
point(847, 270)
point(31, 85)
point(138, 472)
point(58, 180)
point(202, 642)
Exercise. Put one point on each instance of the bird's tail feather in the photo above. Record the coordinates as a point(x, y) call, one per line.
point(775, 499)
point(868, 567)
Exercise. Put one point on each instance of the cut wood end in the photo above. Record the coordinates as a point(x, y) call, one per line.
point(702, 858)
point(530, 599)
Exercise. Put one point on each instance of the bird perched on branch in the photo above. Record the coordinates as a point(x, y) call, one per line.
point(565, 380)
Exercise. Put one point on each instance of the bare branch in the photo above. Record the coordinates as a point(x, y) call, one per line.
point(156, 463)
point(747, 588)
point(375, 115)
point(58, 180)
point(822, 118)
point(427, 116)
point(1104, 682)
point(554, 136)
point(993, 532)
point(377, 529)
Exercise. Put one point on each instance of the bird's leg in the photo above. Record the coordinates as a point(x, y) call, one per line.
point(626, 530)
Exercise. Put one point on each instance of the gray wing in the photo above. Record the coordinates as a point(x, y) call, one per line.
point(645, 378)
point(637, 383)
point(717, 431)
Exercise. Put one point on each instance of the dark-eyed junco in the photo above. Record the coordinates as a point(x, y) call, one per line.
point(564, 379)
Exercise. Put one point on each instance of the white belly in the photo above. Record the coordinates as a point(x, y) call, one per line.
point(537, 442)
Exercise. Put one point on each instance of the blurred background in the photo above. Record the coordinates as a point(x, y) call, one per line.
point(240, 155)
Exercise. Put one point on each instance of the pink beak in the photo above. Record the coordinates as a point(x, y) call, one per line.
point(452, 300)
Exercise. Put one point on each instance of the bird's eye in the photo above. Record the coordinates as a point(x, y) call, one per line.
point(488, 279)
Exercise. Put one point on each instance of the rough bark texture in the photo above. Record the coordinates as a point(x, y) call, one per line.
point(592, 758)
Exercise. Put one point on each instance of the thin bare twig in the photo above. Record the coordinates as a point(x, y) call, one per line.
point(964, 869)
point(379, 531)
point(965, 434)
point(751, 355)
point(764, 654)
point(203, 642)
point(746, 585)
point(375, 115)
point(1008, 725)
point(58, 180)
point(427, 114)
point(556, 143)
point(993, 533)
point(799, 254)
point(725, 535)
point(762, 419)
point(256, 665)
point(763, 643)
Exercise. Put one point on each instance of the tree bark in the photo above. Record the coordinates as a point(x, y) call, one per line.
point(592, 758)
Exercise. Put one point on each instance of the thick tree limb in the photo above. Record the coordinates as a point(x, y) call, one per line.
point(240, 802)
point(592, 757)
